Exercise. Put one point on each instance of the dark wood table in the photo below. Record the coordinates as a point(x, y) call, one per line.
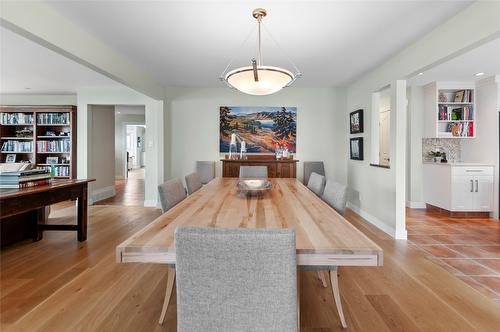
point(30, 205)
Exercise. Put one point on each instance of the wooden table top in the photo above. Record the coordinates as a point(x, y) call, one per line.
point(55, 184)
point(323, 237)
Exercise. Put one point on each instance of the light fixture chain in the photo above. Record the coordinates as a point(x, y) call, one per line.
point(235, 53)
point(283, 51)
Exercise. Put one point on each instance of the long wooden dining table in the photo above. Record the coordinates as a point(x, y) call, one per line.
point(324, 239)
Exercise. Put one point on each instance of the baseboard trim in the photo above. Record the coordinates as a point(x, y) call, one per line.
point(399, 235)
point(103, 193)
point(415, 205)
point(151, 203)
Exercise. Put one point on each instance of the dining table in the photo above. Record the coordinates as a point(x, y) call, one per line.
point(325, 240)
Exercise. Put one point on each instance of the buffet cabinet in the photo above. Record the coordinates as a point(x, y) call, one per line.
point(286, 168)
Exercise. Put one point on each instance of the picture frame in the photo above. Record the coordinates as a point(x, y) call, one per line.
point(356, 148)
point(459, 96)
point(52, 160)
point(356, 122)
point(10, 158)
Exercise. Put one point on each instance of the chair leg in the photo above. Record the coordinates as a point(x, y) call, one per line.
point(168, 293)
point(322, 277)
point(336, 294)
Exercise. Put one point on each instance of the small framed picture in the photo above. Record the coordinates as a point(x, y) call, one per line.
point(459, 96)
point(357, 148)
point(356, 121)
point(10, 158)
point(52, 160)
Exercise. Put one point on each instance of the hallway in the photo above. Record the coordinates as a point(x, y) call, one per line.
point(129, 192)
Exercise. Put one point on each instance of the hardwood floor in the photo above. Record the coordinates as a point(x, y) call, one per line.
point(129, 192)
point(467, 248)
point(58, 284)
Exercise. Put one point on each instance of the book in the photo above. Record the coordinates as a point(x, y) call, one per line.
point(27, 184)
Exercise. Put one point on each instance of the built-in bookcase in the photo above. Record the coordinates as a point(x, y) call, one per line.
point(41, 135)
point(450, 110)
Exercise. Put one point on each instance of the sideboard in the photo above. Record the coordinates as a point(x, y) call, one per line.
point(285, 168)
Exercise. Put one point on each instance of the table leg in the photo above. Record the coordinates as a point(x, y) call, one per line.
point(40, 218)
point(82, 214)
point(336, 294)
point(168, 293)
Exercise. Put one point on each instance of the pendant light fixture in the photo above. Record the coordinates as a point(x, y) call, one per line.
point(258, 79)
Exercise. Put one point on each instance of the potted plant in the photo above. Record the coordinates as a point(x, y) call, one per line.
point(436, 155)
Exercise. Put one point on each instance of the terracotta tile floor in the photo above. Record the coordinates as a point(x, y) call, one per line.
point(467, 248)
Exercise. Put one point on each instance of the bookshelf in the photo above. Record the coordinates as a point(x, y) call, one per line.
point(450, 110)
point(38, 134)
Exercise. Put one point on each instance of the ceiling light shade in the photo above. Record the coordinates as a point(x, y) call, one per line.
point(258, 79)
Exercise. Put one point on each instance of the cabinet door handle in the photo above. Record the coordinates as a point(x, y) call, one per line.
point(477, 185)
point(471, 186)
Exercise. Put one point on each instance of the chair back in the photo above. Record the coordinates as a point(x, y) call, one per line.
point(316, 183)
point(206, 171)
point(236, 279)
point(313, 166)
point(171, 193)
point(193, 182)
point(335, 194)
point(253, 172)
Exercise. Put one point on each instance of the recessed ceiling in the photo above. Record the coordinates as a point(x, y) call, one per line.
point(463, 68)
point(190, 43)
point(26, 67)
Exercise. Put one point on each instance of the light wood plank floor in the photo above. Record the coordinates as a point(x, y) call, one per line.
point(58, 284)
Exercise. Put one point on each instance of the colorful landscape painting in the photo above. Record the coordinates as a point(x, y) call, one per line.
point(262, 128)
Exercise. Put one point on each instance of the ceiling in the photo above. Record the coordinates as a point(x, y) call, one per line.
point(190, 43)
point(26, 67)
point(483, 59)
point(130, 109)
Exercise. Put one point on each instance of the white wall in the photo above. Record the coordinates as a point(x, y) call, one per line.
point(484, 147)
point(414, 192)
point(37, 99)
point(103, 151)
point(194, 124)
point(121, 120)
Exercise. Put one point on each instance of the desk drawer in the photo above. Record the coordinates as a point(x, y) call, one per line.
point(472, 171)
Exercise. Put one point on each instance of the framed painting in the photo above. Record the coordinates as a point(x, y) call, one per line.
point(263, 129)
point(356, 121)
point(357, 148)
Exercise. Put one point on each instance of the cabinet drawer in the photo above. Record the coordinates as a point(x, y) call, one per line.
point(471, 171)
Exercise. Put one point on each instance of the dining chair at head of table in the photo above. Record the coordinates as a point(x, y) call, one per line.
point(335, 195)
point(252, 269)
point(206, 171)
point(313, 166)
point(193, 183)
point(171, 193)
point(253, 172)
point(316, 183)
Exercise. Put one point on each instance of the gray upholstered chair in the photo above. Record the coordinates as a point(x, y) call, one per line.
point(316, 183)
point(206, 171)
point(313, 166)
point(253, 171)
point(171, 193)
point(335, 194)
point(236, 279)
point(193, 183)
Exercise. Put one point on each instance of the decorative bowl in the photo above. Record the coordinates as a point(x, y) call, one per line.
point(253, 186)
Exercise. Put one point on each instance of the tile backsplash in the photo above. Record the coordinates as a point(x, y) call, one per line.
point(449, 145)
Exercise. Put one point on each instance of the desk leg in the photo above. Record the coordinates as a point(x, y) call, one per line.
point(336, 294)
point(298, 298)
point(82, 214)
point(40, 216)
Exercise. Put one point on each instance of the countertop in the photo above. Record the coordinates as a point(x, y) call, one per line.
point(464, 164)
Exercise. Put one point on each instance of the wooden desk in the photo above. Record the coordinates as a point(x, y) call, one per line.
point(324, 238)
point(275, 168)
point(32, 203)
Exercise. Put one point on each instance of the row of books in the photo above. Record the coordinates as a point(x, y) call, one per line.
point(461, 129)
point(58, 170)
point(53, 118)
point(61, 145)
point(17, 146)
point(447, 112)
point(25, 179)
point(17, 118)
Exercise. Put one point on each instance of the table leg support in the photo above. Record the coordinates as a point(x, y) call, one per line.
point(168, 293)
point(336, 294)
point(82, 214)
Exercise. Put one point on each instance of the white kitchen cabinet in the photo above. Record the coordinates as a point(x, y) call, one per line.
point(459, 187)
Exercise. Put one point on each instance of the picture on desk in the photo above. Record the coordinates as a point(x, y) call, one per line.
point(262, 128)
